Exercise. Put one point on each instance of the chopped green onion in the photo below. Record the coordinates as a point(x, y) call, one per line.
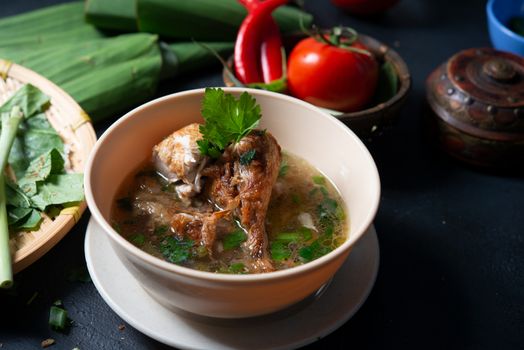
point(138, 239)
point(160, 230)
point(288, 237)
point(280, 251)
point(319, 180)
point(234, 239)
point(283, 169)
point(175, 250)
point(236, 268)
point(58, 318)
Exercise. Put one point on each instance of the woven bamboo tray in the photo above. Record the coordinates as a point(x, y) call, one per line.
point(75, 128)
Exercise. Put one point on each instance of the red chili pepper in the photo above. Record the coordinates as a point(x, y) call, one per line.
point(271, 52)
point(248, 44)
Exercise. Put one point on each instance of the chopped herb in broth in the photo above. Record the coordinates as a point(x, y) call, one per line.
point(305, 220)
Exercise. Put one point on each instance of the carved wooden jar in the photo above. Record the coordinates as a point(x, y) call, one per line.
point(477, 97)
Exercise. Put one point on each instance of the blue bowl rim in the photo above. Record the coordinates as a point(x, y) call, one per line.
point(505, 30)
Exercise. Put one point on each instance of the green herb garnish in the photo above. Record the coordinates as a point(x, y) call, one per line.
point(227, 120)
point(176, 250)
point(247, 157)
point(280, 251)
point(314, 251)
point(138, 239)
point(319, 180)
point(236, 268)
point(234, 239)
point(160, 230)
point(283, 169)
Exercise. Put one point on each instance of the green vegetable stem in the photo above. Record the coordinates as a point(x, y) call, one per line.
point(10, 124)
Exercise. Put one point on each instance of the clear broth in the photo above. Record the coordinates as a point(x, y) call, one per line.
point(306, 219)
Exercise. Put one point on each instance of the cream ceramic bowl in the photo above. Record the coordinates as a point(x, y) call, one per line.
point(300, 128)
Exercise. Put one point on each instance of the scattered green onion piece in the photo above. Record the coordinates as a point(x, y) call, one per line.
point(138, 239)
point(234, 239)
point(58, 318)
point(319, 180)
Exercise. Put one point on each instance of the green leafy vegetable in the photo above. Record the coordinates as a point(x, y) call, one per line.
point(34, 152)
point(29, 99)
point(314, 251)
point(234, 239)
point(175, 250)
point(116, 226)
point(138, 239)
point(59, 189)
point(35, 136)
point(227, 120)
point(247, 157)
point(236, 268)
point(319, 180)
point(280, 251)
point(160, 230)
point(283, 169)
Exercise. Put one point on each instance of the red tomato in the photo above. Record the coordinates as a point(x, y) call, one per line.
point(331, 77)
point(365, 7)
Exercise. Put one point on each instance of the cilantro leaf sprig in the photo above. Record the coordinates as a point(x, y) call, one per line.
point(227, 119)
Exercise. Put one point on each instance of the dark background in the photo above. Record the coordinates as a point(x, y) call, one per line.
point(451, 237)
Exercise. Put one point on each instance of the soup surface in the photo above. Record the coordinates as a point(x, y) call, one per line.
point(306, 219)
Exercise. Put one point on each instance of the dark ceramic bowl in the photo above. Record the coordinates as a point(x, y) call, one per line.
point(371, 121)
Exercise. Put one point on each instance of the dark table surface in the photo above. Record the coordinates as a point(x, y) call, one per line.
point(451, 237)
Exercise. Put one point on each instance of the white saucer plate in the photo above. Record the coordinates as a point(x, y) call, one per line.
point(298, 326)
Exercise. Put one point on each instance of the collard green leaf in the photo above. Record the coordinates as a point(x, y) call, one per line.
point(31, 221)
point(35, 137)
point(29, 99)
point(40, 168)
point(15, 215)
point(15, 196)
point(59, 189)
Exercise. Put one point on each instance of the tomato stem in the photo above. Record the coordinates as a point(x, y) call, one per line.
point(341, 37)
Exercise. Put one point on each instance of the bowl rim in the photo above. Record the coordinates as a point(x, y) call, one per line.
point(495, 20)
point(219, 277)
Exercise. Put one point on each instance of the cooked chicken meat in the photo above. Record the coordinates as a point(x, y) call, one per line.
point(178, 159)
point(239, 184)
point(246, 186)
